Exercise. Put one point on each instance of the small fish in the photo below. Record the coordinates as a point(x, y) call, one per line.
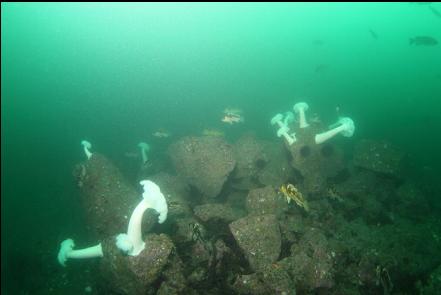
point(435, 11)
point(321, 68)
point(423, 40)
point(373, 34)
point(161, 134)
point(318, 42)
point(230, 119)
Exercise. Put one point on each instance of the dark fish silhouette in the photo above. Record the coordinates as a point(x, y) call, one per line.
point(435, 11)
point(373, 34)
point(318, 42)
point(423, 40)
point(321, 68)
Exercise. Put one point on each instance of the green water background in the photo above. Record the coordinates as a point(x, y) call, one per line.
point(115, 73)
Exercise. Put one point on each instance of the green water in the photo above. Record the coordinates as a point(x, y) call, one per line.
point(115, 73)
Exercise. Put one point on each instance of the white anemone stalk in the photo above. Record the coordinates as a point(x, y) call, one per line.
point(283, 129)
point(277, 119)
point(67, 252)
point(87, 145)
point(144, 149)
point(290, 138)
point(345, 126)
point(132, 243)
point(289, 118)
point(299, 109)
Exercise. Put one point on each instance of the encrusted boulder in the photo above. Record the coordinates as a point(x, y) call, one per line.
point(107, 198)
point(315, 162)
point(259, 238)
point(250, 284)
point(204, 162)
point(176, 192)
point(135, 274)
point(277, 280)
point(174, 281)
point(273, 279)
point(265, 201)
point(311, 263)
point(250, 157)
point(220, 212)
point(277, 170)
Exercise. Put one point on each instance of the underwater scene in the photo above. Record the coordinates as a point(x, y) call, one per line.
point(220, 148)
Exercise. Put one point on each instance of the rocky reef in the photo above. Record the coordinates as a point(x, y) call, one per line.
point(231, 230)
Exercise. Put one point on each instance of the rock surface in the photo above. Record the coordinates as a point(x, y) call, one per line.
point(220, 212)
point(250, 157)
point(107, 198)
point(277, 170)
point(265, 201)
point(259, 238)
point(135, 274)
point(315, 162)
point(204, 162)
point(378, 156)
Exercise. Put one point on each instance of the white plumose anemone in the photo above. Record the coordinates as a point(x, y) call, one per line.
point(283, 129)
point(345, 126)
point(67, 252)
point(87, 145)
point(299, 109)
point(144, 149)
point(132, 243)
point(289, 117)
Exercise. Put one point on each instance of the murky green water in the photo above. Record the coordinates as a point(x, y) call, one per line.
point(116, 73)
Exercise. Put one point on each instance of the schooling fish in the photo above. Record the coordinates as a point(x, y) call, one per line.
point(423, 40)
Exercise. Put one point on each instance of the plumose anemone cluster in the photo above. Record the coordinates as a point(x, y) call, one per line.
point(344, 126)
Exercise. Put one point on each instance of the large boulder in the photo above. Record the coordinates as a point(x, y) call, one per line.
point(277, 170)
point(204, 162)
point(250, 284)
point(216, 212)
point(107, 198)
point(315, 162)
point(135, 274)
point(265, 201)
point(259, 238)
point(311, 264)
point(250, 157)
